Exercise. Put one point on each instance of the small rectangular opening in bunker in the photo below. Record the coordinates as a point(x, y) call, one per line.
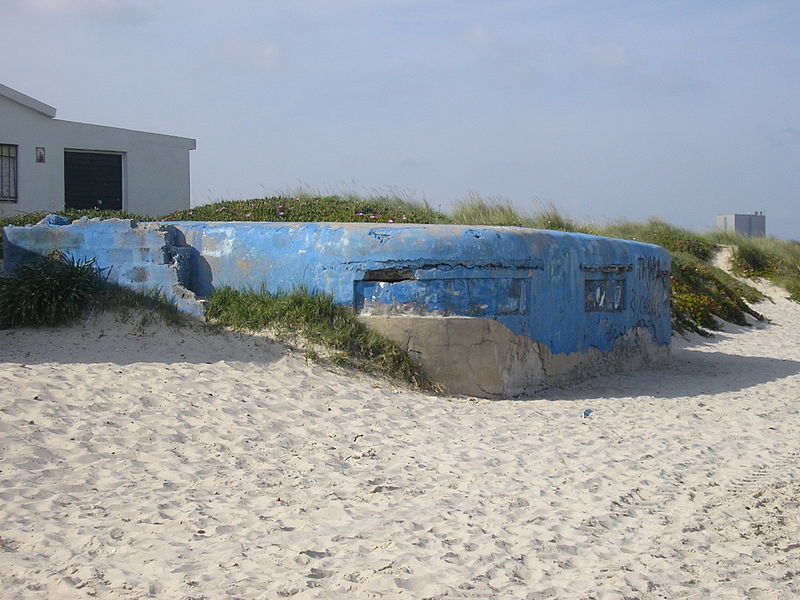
point(447, 290)
point(389, 275)
point(604, 295)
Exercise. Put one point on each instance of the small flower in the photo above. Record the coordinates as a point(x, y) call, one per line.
point(372, 216)
point(405, 218)
point(391, 221)
point(248, 215)
point(359, 214)
point(191, 212)
point(280, 213)
point(220, 209)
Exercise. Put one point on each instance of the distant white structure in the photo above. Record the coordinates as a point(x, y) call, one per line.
point(50, 164)
point(752, 224)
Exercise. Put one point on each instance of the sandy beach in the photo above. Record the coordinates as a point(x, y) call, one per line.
point(140, 461)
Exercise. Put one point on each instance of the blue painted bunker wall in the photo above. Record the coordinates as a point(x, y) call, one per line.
point(570, 292)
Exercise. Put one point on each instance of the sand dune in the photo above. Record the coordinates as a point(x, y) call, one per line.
point(139, 461)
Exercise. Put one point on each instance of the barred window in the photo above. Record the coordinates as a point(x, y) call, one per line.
point(8, 172)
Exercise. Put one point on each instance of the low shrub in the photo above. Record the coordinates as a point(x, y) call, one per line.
point(701, 293)
point(49, 291)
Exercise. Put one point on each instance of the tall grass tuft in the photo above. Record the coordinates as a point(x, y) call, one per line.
point(497, 210)
point(476, 210)
point(752, 260)
point(319, 321)
point(49, 291)
point(550, 217)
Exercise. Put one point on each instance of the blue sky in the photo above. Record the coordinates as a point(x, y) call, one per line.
point(606, 109)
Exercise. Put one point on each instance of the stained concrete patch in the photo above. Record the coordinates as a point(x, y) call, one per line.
point(482, 357)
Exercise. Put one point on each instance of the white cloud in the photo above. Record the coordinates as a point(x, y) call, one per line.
point(244, 51)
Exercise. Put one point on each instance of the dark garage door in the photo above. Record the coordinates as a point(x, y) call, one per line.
point(92, 180)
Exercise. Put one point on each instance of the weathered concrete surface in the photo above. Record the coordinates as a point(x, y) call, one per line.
point(481, 357)
point(140, 256)
point(523, 308)
point(570, 292)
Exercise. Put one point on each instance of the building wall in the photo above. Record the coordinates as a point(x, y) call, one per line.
point(491, 311)
point(751, 225)
point(155, 166)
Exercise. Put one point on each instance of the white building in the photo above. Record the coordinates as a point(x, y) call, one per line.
point(752, 224)
point(50, 164)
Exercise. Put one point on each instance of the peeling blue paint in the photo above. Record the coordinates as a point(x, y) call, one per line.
point(570, 292)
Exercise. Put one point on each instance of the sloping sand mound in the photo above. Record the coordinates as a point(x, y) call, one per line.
point(144, 461)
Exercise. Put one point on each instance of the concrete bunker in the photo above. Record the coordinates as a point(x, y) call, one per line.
point(489, 311)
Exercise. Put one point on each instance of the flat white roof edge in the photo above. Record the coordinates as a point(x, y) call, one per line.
point(191, 143)
point(32, 103)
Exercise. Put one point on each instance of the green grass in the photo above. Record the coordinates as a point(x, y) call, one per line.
point(124, 301)
point(775, 260)
point(304, 208)
point(701, 294)
point(673, 239)
point(58, 289)
point(476, 210)
point(319, 322)
point(49, 291)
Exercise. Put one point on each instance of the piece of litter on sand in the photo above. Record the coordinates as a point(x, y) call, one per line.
point(586, 413)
